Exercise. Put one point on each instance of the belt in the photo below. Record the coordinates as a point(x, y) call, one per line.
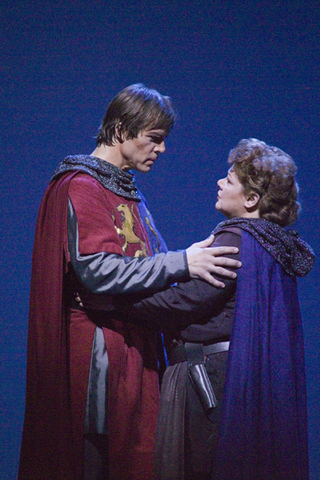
point(179, 354)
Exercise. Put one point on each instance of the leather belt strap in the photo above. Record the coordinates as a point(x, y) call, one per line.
point(179, 354)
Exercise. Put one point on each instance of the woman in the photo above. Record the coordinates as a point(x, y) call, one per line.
point(252, 424)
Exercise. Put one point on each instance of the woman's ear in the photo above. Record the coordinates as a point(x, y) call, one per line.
point(252, 201)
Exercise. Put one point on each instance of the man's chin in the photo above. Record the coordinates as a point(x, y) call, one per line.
point(146, 168)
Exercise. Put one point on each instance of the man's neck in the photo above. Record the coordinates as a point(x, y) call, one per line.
point(109, 154)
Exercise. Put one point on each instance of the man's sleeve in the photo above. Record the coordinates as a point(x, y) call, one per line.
point(192, 302)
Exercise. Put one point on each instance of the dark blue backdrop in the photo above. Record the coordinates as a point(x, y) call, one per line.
point(233, 69)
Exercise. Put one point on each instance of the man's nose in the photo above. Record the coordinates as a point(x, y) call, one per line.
point(161, 148)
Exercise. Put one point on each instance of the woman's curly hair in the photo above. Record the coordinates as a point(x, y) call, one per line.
point(270, 172)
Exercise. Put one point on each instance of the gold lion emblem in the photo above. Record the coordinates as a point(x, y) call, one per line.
point(127, 230)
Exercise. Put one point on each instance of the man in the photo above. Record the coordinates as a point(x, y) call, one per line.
point(92, 383)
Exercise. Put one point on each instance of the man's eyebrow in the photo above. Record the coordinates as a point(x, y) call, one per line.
point(157, 130)
point(158, 134)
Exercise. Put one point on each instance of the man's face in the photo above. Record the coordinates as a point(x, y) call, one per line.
point(141, 152)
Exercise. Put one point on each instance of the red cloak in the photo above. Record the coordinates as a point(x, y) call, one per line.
point(59, 351)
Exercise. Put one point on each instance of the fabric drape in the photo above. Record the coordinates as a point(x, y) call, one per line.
point(263, 426)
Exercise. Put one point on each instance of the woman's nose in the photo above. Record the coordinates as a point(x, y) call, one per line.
point(220, 183)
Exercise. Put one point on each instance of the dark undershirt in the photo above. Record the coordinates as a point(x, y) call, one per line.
point(196, 302)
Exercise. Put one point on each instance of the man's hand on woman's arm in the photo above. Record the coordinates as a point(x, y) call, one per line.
point(205, 261)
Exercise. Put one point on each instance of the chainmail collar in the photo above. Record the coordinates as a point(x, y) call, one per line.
point(111, 177)
point(294, 255)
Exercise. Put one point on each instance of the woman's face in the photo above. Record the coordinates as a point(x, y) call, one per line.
point(231, 198)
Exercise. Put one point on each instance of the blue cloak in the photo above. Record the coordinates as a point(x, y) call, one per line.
point(263, 433)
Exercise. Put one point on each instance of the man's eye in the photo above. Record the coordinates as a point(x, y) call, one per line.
point(157, 140)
